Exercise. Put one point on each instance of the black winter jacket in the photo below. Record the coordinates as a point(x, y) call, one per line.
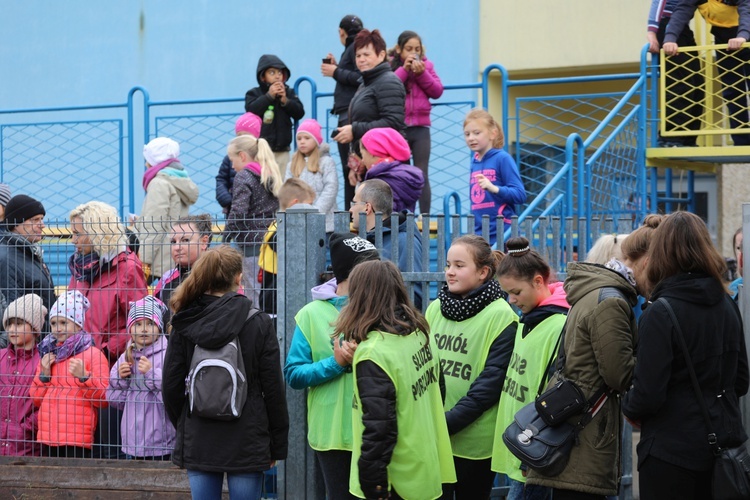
point(379, 102)
point(662, 398)
point(347, 78)
point(259, 436)
point(224, 183)
point(279, 132)
point(22, 270)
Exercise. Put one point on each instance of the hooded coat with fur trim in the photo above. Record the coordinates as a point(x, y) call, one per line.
point(600, 339)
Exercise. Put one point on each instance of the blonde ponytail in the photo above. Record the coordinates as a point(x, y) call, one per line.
point(270, 175)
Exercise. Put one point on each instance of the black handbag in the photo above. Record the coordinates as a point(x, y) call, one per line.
point(543, 440)
point(731, 474)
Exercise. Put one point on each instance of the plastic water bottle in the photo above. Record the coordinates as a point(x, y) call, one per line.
point(268, 115)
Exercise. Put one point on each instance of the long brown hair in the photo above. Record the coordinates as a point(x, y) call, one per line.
point(215, 271)
point(378, 301)
point(682, 244)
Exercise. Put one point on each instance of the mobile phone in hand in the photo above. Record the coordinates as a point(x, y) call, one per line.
point(334, 133)
point(327, 60)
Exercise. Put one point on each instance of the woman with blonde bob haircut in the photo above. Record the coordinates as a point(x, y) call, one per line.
point(675, 459)
point(398, 409)
point(106, 272)
point(208, 312)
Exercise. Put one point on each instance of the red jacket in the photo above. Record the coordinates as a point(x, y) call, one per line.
point(67, 406)
point(110, 296)
point(18, 416)
point(419, 90)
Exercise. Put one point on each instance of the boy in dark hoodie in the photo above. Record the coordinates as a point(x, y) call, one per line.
point(272, 90)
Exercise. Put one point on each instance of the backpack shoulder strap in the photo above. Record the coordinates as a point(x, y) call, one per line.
point(253, 312)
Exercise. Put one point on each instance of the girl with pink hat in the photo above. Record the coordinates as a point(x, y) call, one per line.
point(313, 164)
point(384, 152)
point(247, 124)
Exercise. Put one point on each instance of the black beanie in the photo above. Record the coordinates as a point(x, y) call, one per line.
point(351, 24)
point(348, 250)
point(21, 208)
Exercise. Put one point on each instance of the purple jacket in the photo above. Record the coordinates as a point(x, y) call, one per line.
point(18, 416)
point(419, 90)
point(146, 430)
point(405, 180)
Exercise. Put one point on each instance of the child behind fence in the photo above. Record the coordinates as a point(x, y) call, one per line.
point(22, 320)
point(135, 385)
point(254, 203)
point(70, 382)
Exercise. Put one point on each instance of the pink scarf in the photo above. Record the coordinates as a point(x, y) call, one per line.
point(254, 167)
point(151, 172)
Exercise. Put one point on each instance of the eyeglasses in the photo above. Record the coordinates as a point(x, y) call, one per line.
point(354, 203)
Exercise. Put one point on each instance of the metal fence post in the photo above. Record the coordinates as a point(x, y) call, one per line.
point(744, 301)
point(301, 260)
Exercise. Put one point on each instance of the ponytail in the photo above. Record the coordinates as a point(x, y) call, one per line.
point(270, 175)
point(215, 271)
point(259, 151)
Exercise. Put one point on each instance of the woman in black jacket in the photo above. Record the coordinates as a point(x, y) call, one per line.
point(210, 313)
point(347, 78)
point(379, 101)
point(674, 456)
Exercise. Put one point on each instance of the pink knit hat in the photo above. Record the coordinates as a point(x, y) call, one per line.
point(249, 123)
point(312, 128)
point(384, 142)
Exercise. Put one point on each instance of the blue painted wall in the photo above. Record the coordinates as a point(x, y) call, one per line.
point(81, 53)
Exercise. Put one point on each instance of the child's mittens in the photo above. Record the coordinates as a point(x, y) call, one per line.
point(144, 365)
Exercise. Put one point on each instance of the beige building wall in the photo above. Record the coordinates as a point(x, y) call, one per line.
point(557, 37)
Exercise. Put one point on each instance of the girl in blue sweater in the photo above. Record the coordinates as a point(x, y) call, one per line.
point(495, 184)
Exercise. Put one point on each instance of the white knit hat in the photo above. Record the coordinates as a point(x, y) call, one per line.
point(161, 149)
point(29, 308)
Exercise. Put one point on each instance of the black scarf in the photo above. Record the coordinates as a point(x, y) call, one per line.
point(457, 308)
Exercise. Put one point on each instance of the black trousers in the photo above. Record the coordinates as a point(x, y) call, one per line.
point(659, 480)
point(475, 478)
point(344, 155)
point(335, 467)
point(734, 72)
point(420, 144)
point(685, 87)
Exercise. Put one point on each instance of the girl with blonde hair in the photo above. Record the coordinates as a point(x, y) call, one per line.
point(254, 202)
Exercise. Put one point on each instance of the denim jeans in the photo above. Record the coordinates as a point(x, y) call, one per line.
point(522, 491)
point(207, 485)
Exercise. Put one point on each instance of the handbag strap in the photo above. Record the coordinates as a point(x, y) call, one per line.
point(595, 402)
point(555, 354)
point(712, 441)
